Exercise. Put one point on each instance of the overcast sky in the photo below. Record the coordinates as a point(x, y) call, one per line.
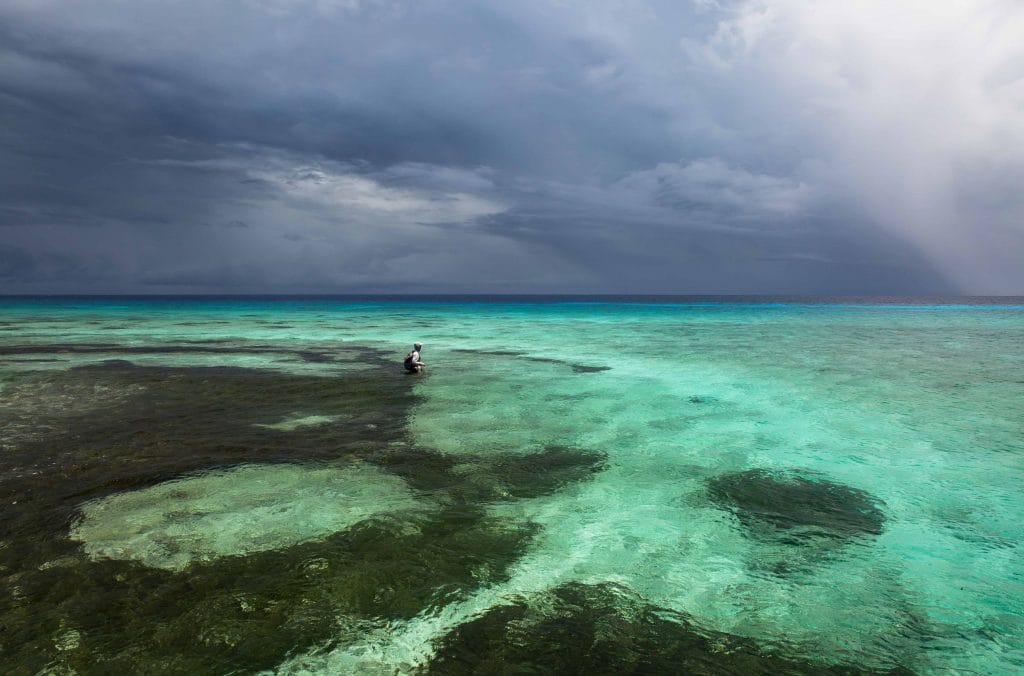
point(591, 146)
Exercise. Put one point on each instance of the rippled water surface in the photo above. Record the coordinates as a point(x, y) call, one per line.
point(256, 486)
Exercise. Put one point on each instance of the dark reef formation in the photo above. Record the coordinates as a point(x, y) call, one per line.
point(797, 504)
point(87, 432)
point(605, 629)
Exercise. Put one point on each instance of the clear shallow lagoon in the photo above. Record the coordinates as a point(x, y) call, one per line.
point(748, 485)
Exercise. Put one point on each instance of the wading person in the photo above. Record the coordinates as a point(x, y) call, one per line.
point(413, 362)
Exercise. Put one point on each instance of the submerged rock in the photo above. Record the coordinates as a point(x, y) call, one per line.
point(531, 475)
point(788, 502)
point(236, 511)
point(605, 629)
point(293, 423)
point(586, 368)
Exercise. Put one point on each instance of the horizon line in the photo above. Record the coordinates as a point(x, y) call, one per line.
point(504, 295)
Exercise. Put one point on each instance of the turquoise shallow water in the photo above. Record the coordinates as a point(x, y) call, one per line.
point(837, 483)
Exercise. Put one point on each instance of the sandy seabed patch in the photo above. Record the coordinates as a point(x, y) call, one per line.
point(244, 509)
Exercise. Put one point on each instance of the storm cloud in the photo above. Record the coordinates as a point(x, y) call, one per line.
point(352, 146)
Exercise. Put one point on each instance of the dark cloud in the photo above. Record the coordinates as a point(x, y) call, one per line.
point(348, 145)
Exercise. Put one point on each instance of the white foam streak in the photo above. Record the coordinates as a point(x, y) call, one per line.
point(406, 646)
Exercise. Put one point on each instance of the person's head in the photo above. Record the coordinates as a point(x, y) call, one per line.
point(417, 346)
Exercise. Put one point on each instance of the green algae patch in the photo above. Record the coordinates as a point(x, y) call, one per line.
point(236, 511)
